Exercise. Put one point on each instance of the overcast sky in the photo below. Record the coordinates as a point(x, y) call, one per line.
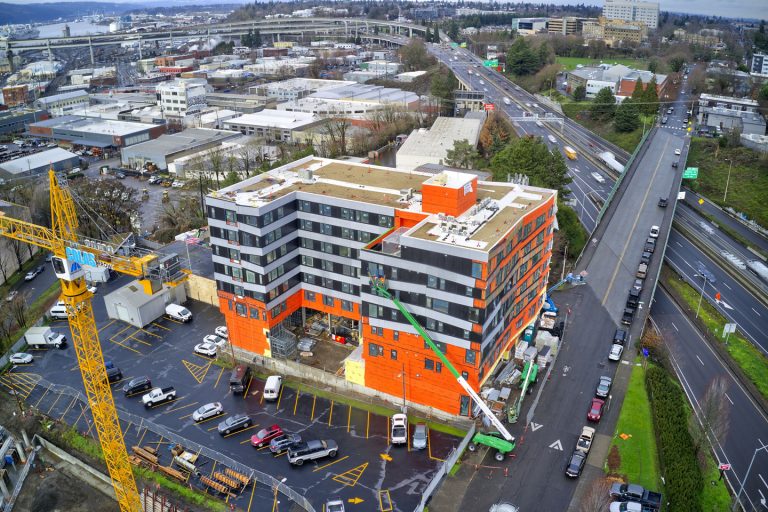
point(728, 8)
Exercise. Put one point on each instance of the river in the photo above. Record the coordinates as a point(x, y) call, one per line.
point(76, 28)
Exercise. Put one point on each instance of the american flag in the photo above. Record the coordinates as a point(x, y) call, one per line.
point(193, 240)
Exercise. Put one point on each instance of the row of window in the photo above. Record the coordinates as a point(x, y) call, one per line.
point(329, 248)
point(329, 301)
point(336, 231)
point(363, 217)
point(376, 350)
point(411, 276)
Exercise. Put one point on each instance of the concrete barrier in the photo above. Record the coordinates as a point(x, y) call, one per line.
point(94, 477)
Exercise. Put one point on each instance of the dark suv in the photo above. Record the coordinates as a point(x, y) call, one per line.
point(239, 379)
point(234, 424)
point(620, 336)
point(137, 385)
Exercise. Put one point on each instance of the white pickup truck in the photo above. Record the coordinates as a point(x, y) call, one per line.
point(158, 396)
point(43, 337)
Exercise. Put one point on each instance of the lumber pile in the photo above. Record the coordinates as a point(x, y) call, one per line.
point(237, 476)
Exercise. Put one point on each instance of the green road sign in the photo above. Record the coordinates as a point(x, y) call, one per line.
point(491, 63)
point(454, 45)
point(691, 173)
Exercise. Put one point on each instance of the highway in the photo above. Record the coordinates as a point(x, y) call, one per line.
point(697, 365)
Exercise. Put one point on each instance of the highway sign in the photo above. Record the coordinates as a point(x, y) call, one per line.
point(691, 173)
point(724, 467)
point(729, 329)
point(490, 106)
point(491, 63)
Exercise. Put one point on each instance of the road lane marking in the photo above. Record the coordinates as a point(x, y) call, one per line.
point(702, 362)
point(312, 415)
point(726, 285)
point(758, 314)
point(729, 398)
point(330, 464)
point(678, 244)
point(330, 415)
point(761, 478)
point(673, 325)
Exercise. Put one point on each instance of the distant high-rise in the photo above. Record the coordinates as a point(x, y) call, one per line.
point(632, 10)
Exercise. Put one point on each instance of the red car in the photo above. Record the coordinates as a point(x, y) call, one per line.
point(596, 410)
point(265, 435)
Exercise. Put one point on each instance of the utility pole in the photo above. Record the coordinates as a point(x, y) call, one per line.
point(730, 165)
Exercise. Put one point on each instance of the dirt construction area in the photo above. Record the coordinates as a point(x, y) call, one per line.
point(51, 487)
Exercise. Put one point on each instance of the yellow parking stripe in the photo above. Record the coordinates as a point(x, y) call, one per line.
point(107, 325)
point(221, 372)
point(241, 431)
point(160, 326)
point(296, 403)
point(330, 415)
point(330, 464)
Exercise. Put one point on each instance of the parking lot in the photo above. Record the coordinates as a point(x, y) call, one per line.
point(367, 467)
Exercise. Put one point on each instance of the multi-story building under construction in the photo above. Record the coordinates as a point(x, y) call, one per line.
point(469, 259)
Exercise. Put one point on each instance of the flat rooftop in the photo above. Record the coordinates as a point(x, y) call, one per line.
point(499, 205)
point(278, 119)
point(191, 138)
point(94, 125)
point(37, 160)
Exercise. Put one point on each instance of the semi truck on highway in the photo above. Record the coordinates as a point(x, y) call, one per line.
point(759, 268)
point(609, 159)
point(43, 337)
point(570, 152)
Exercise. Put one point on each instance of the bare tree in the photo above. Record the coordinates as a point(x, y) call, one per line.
point(596, 499)
point(177, 217)
point(249, 155)
point(106, 207)
point(6, 325)
point(5, 258)
point(18, 307)
point(336, 129)
point(713, 415)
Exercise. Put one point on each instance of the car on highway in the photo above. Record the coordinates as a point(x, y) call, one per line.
point(663, 201)
point(399, 434)
point(206, 349)
point(677, 152)
point(482, 82)
point(207, 411)
point(654, 233)
point(137, 385)
point(598, 177)
point(419, 437)
point(615, 353)
point(604, 386)
point(596, 410)
point(12, 295)
point(575, 464)
point(233, 424)
point(222, 332)
point(21, 358)
point(265, 435)
point(284, 442)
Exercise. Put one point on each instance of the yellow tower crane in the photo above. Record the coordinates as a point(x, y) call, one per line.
point(70, 252)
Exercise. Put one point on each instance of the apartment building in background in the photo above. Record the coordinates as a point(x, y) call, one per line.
point(182, 97)
point(633, 10)
point(468, 259)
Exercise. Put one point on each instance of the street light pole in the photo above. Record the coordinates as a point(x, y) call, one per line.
point(746, 476)
point(727, 181)
point(701, 297)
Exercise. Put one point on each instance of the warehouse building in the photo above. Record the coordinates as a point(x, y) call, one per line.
point(167, 148)
point(36, 163)
point(274, 125)
point(430, 146)
point(13, 121)
point(469, 259)
point(93, 132)
point(132, 305)
point(63, 104)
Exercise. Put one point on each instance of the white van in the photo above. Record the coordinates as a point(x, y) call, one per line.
point(178, 313)
point(272, 387)
point(59, 311)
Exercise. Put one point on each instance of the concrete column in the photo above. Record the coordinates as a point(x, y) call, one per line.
point(140, 56)
point(90, 47)
point(25, 436)
point(21, 452)
point(50, 53)
point(4, 488)
point(410, 32)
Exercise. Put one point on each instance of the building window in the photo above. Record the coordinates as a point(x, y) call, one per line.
point(329, 301)
point(305, 206)
point(477, 270)
point(474, 315)
point(464, 405)
point(309, 261)
point(326, 229)
point(375, 311)
point(254, 313)
point(468, 291)
point(466, 334)
point(470, 357)
point(385, 221)
point(327, 283)
point(393, 354)
point(435, 282)
point(361, 217)
point(241, 309)
point(375, 350)
point(346, 305)
point(438, 367)
point(348, 234)
point(327, 265)
point(429, 364)
point(326, 247)
point(309, 296)
point(464, 375)
point(439, 344)
point(438, 305)
point(378, 331)
point(364, 236)
point(346, 214)
point(345, 252)
point(396, 335)
point(346, 288)
point(325, 209)
point(309, 278)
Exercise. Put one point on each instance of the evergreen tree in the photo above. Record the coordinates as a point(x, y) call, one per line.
point(604, 105)
point(580, 93)
point(428, 35)
point(651, 98)
point(626, 118)
point(639, 92)
point(521, 59)
point(532, 157)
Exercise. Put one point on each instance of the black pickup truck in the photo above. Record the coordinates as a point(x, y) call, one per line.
point(636, 493)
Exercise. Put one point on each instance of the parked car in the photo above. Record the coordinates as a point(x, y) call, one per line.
point(604, 386)
point(21, 358)
point(399, 429)
point(234, 424)
point(284, 442)
point(206, 349)
point(213, 339)
point(645, 257)
point(575, 464)
point(265, 435)
point(207, 411)
point(137, 385)
point(620, 336)
point(222, 332)
point(654, 232)
point(650, 244)
point(677, 152)
point(120, 175)
point(638, 285)
point(31, 274)
point(12, 295)
point(177, 184)
point(334, 505)
point(596, 410)
point(629, 506)
point(663, 202)
point(616, 351)
point(312, 450)
point(419, 436)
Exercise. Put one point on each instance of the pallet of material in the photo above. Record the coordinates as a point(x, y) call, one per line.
point(178, 475)
point(229, 482)
point(214, 485)
point(237, 476)
point(144, 454)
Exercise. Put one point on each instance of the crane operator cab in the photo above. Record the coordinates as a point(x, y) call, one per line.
point(69, 269)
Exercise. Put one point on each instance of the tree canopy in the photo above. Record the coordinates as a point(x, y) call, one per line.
point(463, 155)
point(521, 59)
point(604, 105)
point(532, 157)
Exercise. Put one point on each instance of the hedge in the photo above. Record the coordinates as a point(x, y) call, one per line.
point(683, 478)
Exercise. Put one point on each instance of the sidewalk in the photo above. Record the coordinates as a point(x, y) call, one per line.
point(450, 495)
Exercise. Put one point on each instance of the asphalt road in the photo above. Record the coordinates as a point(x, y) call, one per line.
point(697, 365)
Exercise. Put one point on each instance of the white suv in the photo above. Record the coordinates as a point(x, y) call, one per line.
point(399, 429)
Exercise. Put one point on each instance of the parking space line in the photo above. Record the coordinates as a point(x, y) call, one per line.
point(387, 429)
point(123, 379)
point(158, 443)
point(389, 506)
point(41, 398)
point(172, 401)
point(241, 431)
point(281, 453)
point(296, 403)
point(124, 346)
point(253, 491)
point(146, 429)
point(350, 477)
point(330, 414)
point(54, 405)
point(330, 464)
point(133, 337)
point(121, 331)
point(125, 432)
point(349, 417)
point(279, 397)
point(180, 408)
point(68, 408)
point(209, 419)
point(160, 326)
point(312, 416)
point(150, 333)
point(82, 411)
point(198, 371)
point(221, 372)
point(367, 424)
point(108, 324)
point(245, 394)
point(172, 320)
point(246, 441)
